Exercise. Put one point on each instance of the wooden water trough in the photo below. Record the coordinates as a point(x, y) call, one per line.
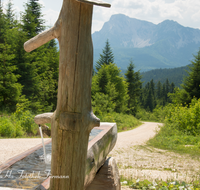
point(98, 148)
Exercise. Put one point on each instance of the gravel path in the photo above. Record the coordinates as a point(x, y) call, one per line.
point(137, 136)
point(136, 160)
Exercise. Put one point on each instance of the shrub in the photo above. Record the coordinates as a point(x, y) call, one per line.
point(7, 129)
point(184, 119)
point(181, 129)
point(124, 122)
point(24, 120)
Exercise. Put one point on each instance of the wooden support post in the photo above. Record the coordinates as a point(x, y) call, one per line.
point(73, 119)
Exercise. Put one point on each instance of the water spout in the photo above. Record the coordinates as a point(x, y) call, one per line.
point(43, 144)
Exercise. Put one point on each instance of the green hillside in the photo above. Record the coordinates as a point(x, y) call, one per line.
point(174, 75)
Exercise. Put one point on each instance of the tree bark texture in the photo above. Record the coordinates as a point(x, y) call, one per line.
point(73, 119)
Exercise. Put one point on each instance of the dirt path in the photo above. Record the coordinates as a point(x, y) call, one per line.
point(137, 136)
point(139, 161)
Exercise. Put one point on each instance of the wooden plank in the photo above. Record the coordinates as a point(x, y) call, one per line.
point(98, 149)
point(96, 2)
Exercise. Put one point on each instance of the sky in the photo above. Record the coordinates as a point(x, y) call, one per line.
point(185, 12)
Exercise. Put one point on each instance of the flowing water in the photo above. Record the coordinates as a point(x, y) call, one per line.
point(31, 171)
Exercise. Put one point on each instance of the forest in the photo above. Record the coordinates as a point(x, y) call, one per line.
point(174, 74)
point(29, 82)
point(26, 78)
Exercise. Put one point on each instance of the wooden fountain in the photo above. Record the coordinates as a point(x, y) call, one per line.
point(73, 119)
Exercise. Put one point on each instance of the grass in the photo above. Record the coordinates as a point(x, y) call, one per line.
point(176, 141)
point(158, 115)
point(159, 184)
point(181, 129)
point(124, 122)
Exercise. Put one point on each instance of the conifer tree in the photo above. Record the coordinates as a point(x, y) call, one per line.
point(167, 85)
point(108, 84)
point(37, 68)
point(134, 83)
point(172, 87)
point(191, 83)
point(10, 15)
point(149, 103)
point(103, 80)
point(164, 94)
point(158, 90)
point(2, 25)
point(10, 89)
point(32, 20)
point(53, 61)
point(106, 57)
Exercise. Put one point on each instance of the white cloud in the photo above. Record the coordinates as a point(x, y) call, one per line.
point(51, 17)
point(186, 12)
point(42, 3)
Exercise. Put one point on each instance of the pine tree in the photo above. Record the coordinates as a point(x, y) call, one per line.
point(38, 69)
point(10, 89)
point(134, 83)
point(10, 15)
point(110, 84)
point(192, 83)
point(53, 61)
point(159, 90)
point(152, 87)
point(164, 94)
point(106, 57)
point(47, 73)
point(2, 25)
point(32, 20)
point(149, 103)
point(172, 88)
point(103, 80)
point(167, 89)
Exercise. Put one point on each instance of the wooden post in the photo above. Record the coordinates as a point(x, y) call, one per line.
point(73, 119)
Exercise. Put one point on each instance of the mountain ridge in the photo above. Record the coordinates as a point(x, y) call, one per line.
point(151, 46)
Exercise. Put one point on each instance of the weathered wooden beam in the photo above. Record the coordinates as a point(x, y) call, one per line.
point(43, 118)
point(39, 40)
point(98, 149)
point(43, 38)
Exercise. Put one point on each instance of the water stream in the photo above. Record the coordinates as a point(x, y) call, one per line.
point(45, 156)
point(31, 171)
